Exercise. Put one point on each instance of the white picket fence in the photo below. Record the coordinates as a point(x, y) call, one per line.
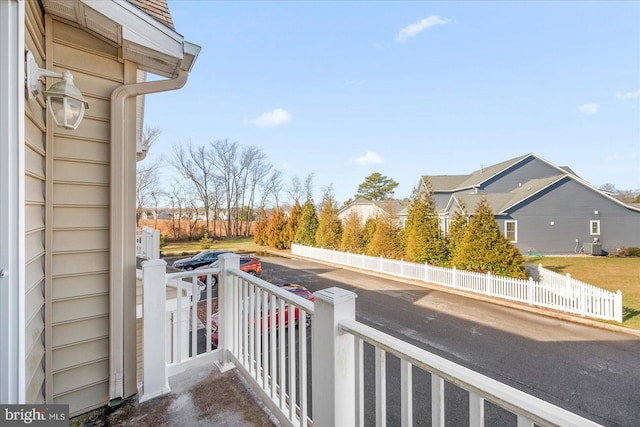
point(553, 290)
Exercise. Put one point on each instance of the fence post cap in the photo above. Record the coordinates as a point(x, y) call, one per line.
point(335, 295)
point(153, 263)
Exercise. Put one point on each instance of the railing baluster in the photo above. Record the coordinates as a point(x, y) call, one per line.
point(381, 387)
point(524, 421)
point(195, 298)
point(406, 393)
point(292, 362)
point(359, 380)
point(303, 368)
point(476, 410)
point(437, 401)
point(282, 364)
point(274, 349)
point(265, 342)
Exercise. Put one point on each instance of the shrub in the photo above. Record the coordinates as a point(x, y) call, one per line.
point(633, 251)
point(205, 242)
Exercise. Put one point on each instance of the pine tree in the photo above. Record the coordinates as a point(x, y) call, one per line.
point(306, 232)
point(456, 230)
point(484, 249)
point(424, 240)
point(385, 239)
point(329, 230)
point(277, 223)
point(352, 234)
point(260, 234)
point(377, 187)
point(291, 227)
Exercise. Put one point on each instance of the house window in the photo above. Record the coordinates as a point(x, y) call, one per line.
point(511, 231)
point(595, 227)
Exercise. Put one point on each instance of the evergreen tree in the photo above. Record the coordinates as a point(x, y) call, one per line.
point(352, 234)
point(456, 229)
point(424, 240)
point(385, 239)
point(368, 231)
point(484, 249)
point(306, 232)
point(260, 234)
point(292, 224)
point(275, 229)
point(376, 187)
point(329, 230)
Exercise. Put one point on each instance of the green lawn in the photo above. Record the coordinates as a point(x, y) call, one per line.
point(236, 244)
point(611, 273)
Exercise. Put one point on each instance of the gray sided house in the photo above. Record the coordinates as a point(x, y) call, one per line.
point(542, 208)
point(366, 209)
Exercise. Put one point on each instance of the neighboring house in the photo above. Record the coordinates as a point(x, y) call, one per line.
point(397, 209)
point(67, 196)
point(542, 208)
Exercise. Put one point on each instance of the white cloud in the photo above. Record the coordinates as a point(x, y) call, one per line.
point(588, 108)
point(628, 95)
point(370, 158)
point(413, 29)
point(272, 118)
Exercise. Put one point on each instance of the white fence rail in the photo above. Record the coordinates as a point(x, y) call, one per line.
point(553, 290)
point(274, 356)
point(148, 243)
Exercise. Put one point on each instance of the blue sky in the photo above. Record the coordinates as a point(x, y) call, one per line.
point(345, 89)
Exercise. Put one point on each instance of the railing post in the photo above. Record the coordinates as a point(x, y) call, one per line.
point(426, 272)
point(333, 363)
point(155, 245)
point(489, 283)
point(617, 306)
point(155, 379)
point(227, 262)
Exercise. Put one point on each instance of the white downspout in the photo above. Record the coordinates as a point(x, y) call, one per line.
point(12, 210)
point(122, 265)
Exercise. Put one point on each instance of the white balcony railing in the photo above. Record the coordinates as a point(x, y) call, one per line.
point(274, 357)
point(148, 243)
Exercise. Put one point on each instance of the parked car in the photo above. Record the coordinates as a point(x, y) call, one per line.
point(203, 258)
point(248, 264)
point(293, 288)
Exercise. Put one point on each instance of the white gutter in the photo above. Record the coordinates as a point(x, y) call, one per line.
point(122, 265)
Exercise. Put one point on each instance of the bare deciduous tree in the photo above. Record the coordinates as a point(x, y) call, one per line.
point(197, 165)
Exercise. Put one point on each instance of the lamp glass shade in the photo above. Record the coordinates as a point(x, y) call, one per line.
point(67, 112)
point(65, 102)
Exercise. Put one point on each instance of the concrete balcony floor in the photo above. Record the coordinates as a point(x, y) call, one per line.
point(200, 396)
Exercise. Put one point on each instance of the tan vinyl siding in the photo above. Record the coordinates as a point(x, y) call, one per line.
point(34, 154)
point(80, 236)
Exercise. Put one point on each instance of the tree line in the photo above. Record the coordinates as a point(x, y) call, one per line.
point(220, 187)
point(473, 243)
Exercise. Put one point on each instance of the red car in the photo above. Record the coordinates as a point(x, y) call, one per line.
point(296, 289)
point(248, 264)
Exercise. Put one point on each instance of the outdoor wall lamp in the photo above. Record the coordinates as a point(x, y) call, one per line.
point(64, 100)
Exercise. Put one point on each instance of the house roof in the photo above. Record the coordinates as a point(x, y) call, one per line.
point(453, 183)
point(157, 9)
point(391, 206)
point(501, 203)
point(142, 29)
